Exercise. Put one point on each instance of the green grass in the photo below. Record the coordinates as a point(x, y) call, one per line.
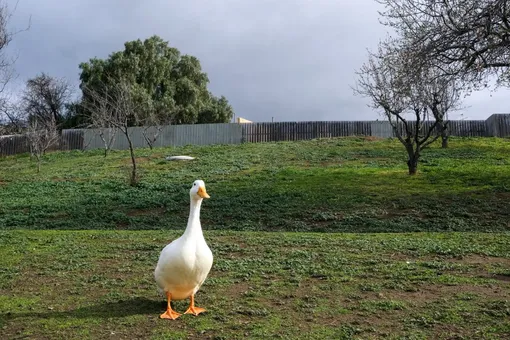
point(326, 239)
point(99, 284)
point(345, 184)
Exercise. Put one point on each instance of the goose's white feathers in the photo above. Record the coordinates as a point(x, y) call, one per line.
point(184, 264)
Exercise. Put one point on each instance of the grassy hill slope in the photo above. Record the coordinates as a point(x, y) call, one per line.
point(344, 184)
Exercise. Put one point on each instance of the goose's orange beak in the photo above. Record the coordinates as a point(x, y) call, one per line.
point(202, 193)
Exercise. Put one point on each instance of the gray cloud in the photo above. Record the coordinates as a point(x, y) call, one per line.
point(287, 59)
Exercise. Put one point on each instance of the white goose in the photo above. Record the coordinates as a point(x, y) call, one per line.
point(184, 263)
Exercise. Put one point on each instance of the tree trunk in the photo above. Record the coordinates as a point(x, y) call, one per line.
point(101, 135)
point(412, 162)
point(133, 181)
point(444, 140)
point(148, 140)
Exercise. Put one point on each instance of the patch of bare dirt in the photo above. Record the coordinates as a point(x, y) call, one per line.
point(139, 160)
point(236, 290)
point(376, 324)
point(481, 260)
point(122, 226)
point(472, 259)
point(232, 240)
point(370, 138)
point(331, 163)
point(150, 211)
point(389, 214)
point(503, 195)
point(502, 277)
point(427, 293)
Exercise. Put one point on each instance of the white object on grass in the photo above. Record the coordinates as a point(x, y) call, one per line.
point(176, 158)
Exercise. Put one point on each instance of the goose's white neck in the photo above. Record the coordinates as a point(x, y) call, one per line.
point(194, 227)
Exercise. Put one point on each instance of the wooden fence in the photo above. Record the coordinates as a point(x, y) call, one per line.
point(234, 133)
point(16, 144)
point(460, 128)
point(289, 131)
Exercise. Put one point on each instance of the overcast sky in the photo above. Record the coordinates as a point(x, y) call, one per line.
point(287, 59)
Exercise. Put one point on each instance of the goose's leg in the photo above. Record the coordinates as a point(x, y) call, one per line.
point(192, 309)
point(170, 313)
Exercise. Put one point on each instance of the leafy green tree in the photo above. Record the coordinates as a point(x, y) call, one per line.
point(217, 111)
point(75, 116)
point(163, 82)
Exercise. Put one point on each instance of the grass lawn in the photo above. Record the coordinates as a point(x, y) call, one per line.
point(344, 184)
point(99, 284)
point(325, 239)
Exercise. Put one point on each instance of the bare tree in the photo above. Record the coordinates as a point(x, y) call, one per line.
point(12, 121)
point(466, 38)
point(46, 98)
point(108, 134)
point(12, 117)
point(7, 72)
point(407, 95)
point(153, 122)
point(42, 107)
point(8, 122)
point(42, 134)
point(6, 36)
point(442, 94)
point(151, 132)
point(101, 119)
point(115, 107)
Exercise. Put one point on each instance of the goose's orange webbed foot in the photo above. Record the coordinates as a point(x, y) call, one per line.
point(170, 313)
point(192, 309)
